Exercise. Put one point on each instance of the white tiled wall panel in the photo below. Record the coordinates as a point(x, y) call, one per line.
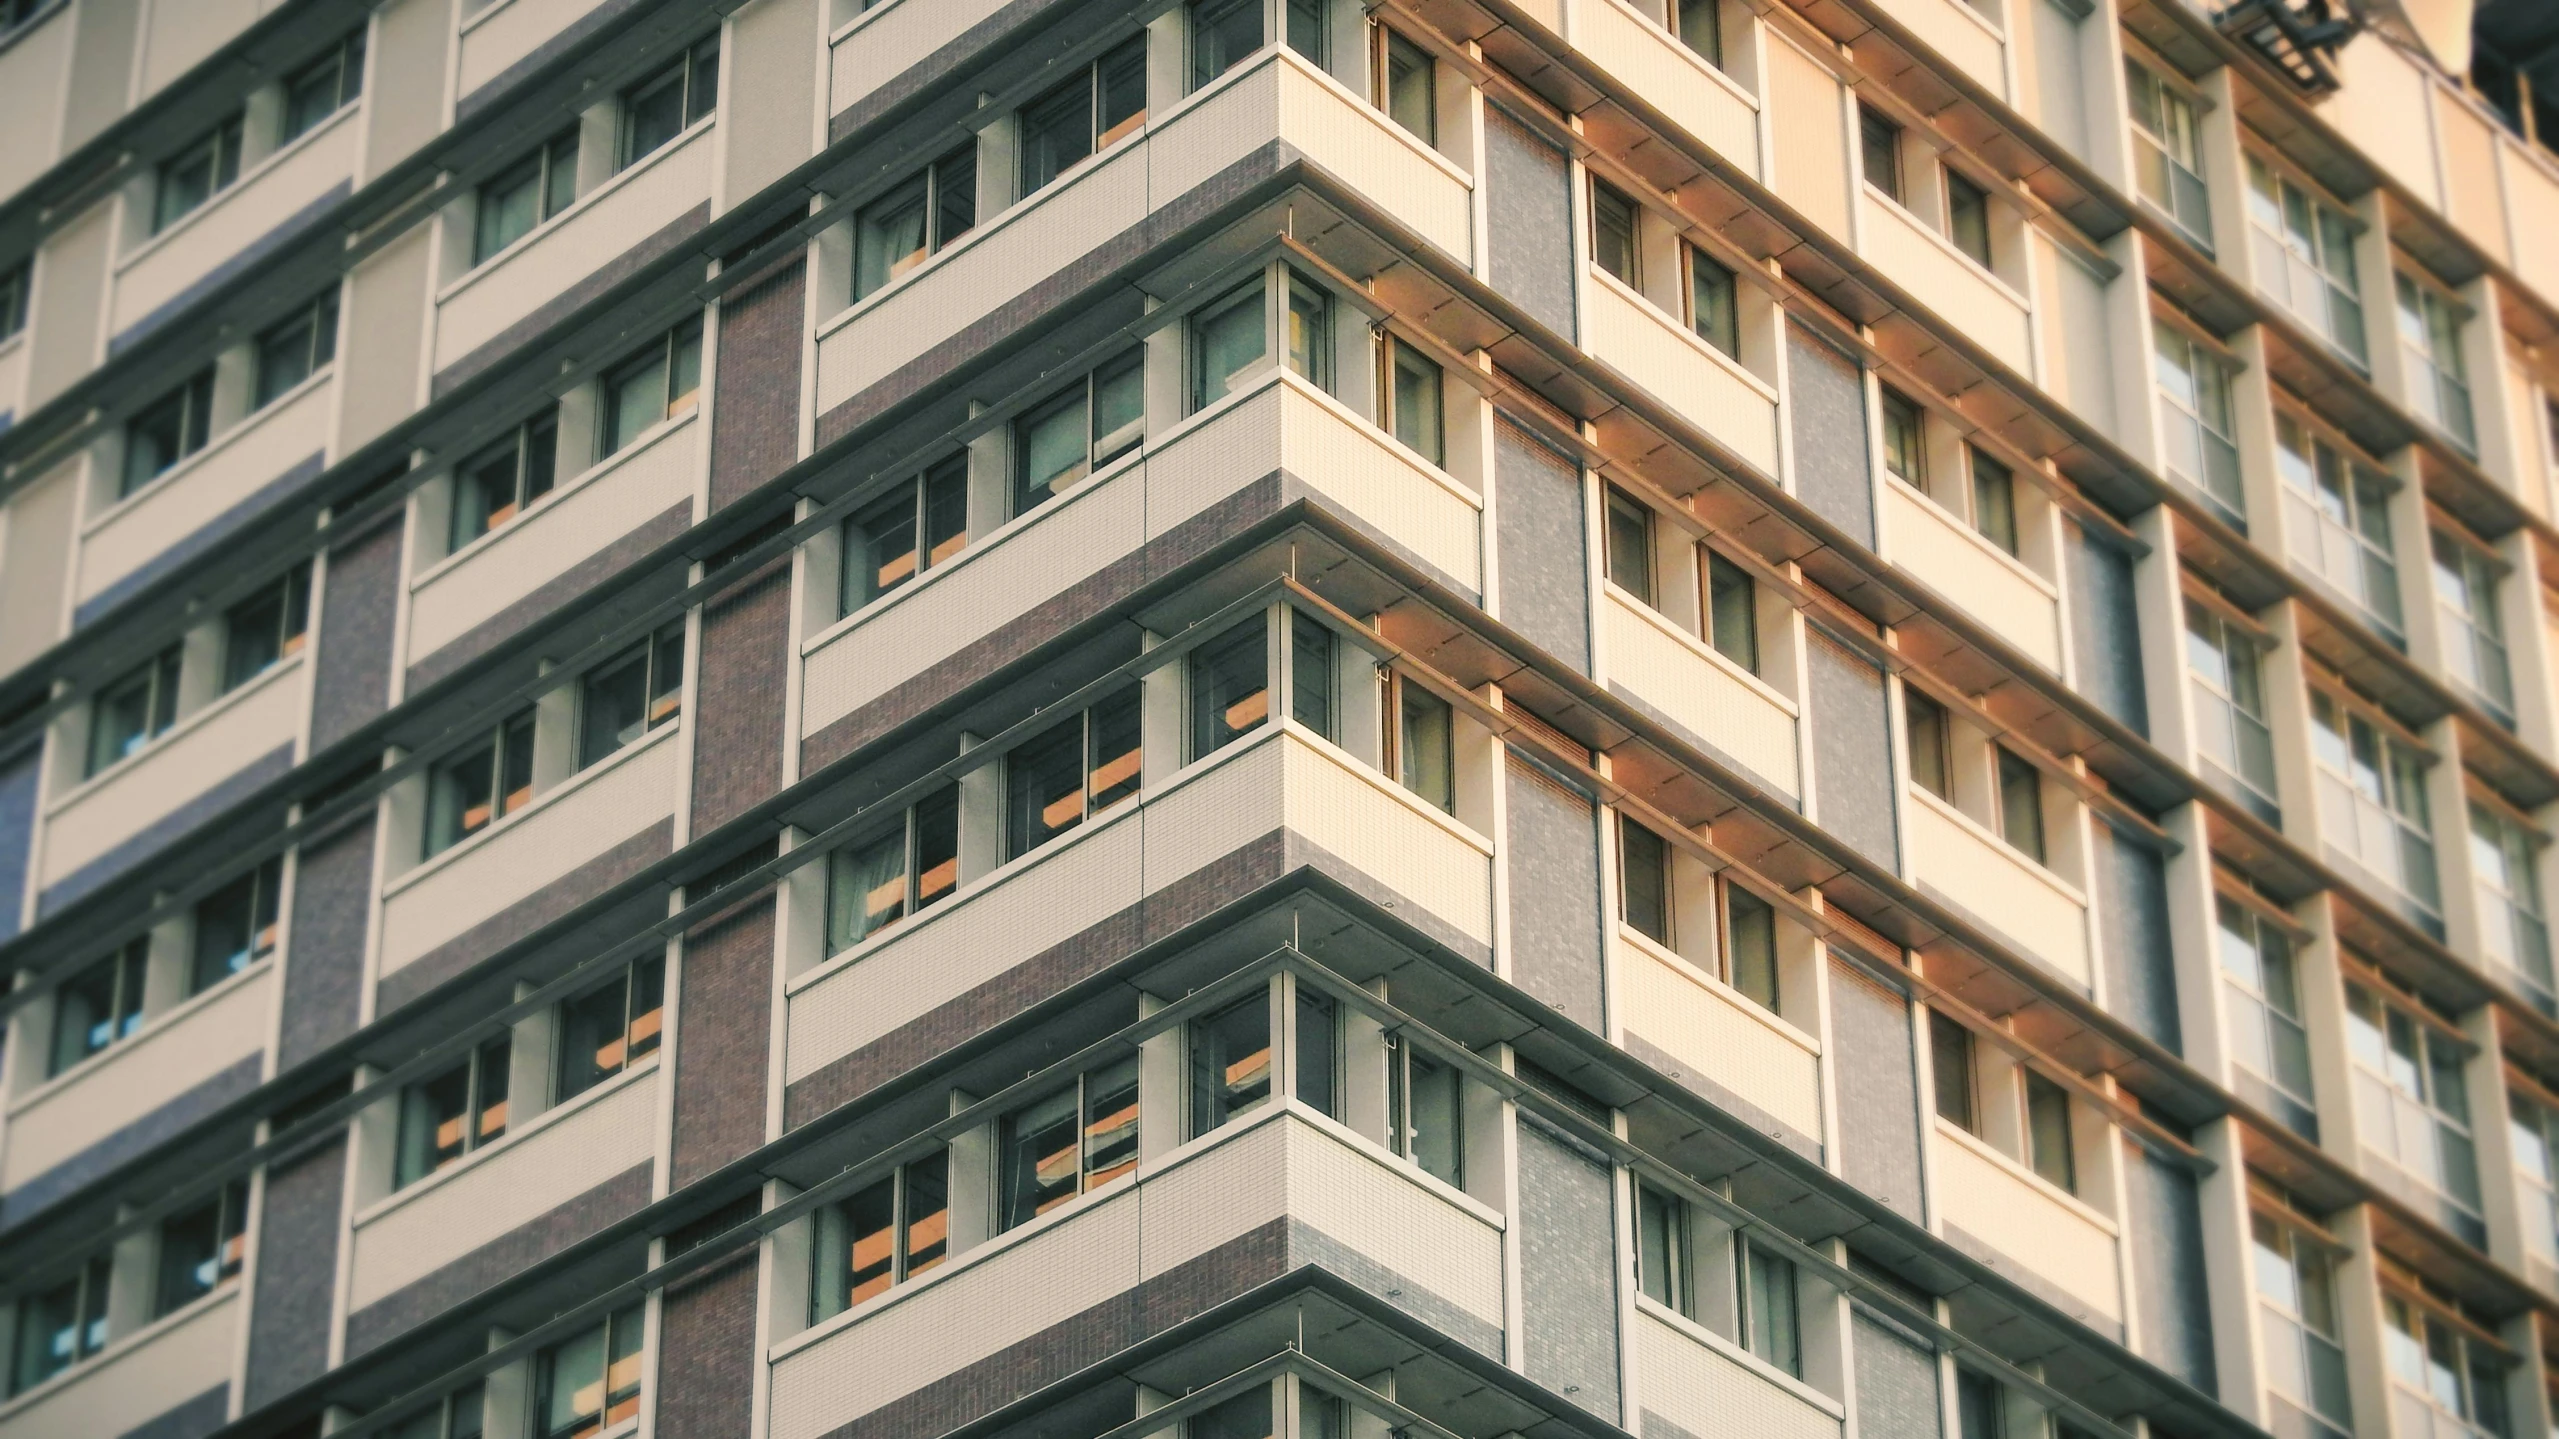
point(2000, 887)
point(1967, 569)
point(1681, 371)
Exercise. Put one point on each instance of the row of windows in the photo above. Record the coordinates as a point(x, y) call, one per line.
point(211, 163)
point(543, 182)
point(180, 422)
point(254, 636)
point(192, 1254)
point(106, 1001)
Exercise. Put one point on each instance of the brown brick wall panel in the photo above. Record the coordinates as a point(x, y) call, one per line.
point(525, 916)
point(755, 406)
point(295, 1299)
point(324, 952)
point(553, 596)
point(724, 1025)
point(359, 606)
point(706, 1354)
point(739, 698)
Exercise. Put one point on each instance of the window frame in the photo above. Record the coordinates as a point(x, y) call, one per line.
point(695, 101)
point(493, 1057)
point(1125, 770)
point(2342, 501)
point(552, 194)
point(929, 190)
point(346, 59)
point(502, 800)
point(676, 355)
point(157, 680)
point(531, 450)
point(661, 660)
point(218, 148)
point(920, 890)
point(642, 987)
point(261, 931)
point(127, 971)
point(191, 400)
point(615, 1403)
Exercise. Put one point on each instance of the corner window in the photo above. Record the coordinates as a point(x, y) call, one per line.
point(1408, 85)
point(1713, 310)
point(920, 523)
point(2341, 512)
point(1077, 431)
point(525, 194)
point(297, 349)
point(2230, 704)
point(639, 691)
point(2504, 854)
point(1084, 116)
point(874, 884)
point(1072, 772)
point(1950, 1064)
point(588, 1384)
point(1226, 344)
point(166, 431)
point(60, 1326)
point(1772, 1326)
point(130, 713)
point(1069, 1142)
point(1425, 1111)
point(197, 173)
point(267, 628)
point(1665, 1269)
point(1612, 232)
point(1879, 146)
point(1978, 1406)
point(2021, 805)
point(2372, 790)
point(1928, 731)
point(1968, 217)
point(2306, 257)
point(1905, 438)
point(1425, 755)
point(912, 222)
point(658, 384)
point(236, 926)
point(1311, 649)
point(885, 1234)
point(323, 88)
point(1223, 33)
point(611, 1027)
point(1308, 35)
point(2267, 1036)
point(201, 1249)
point(454, 1113)
point(1228, 684)
point(480, 784)
point(1230, 1062)
point(98, 1007)
point(1732, 611)
point(667, 103)
point(499, 483)
point(1629, 545)
point(1415, 400)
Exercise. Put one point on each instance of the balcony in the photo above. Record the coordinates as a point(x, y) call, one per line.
point(188, 510)
point(1719, 706)
point(2038, 1232)
point(589, 515)
point(1283, 424)
point(187, 1356)
point(1665, 74)
point(1417, 1240)
point(2001, 889)
point(507, 33)
point(885, 41)
point(515, 1183)
point(1701, 1383)
point(286, 192)
point(31, 69)
point(1277, 781)
point(624, 213)
point(1276, 99)
point(583, 820)
point(210, 759)
point(1984, 581)
point(95, 1101)
point(1943, 278)
point(1694, 379)
point(1711, 1033)
point(1969, 40)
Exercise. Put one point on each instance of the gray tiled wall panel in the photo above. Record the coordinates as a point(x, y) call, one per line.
point(1878, 1090)
point(1896, 1385)
point(1528, 196)
point(2141, 969)
point(1545, 559)
point(1568, 1270)
point(2105, 629)
point(2166, 1234)
point(1833, 473)
point(1852, 750)
point(1554, 893)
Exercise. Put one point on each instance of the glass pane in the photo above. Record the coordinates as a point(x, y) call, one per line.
point(613, 707)
point(1412, 89)
point(1775, 1334)
point(866, 890)
point(1732, 611)
point(1612, 240)
point(1226, 341)
point(434, 1122)
point(1661, 1239)
point(889, 238)
point(880, 551)
point(1119, 86)
point(572, 1401)
point(1229, 689)
point(1310, 701)
point(869, 1221)
point(928, 1213)
point(1056, 131)
point(1643, 881)
point(1223, 32)
point(1630, 546)
point(1425, 752)
point(1433, 1118)
point(937, 847)
point(1318, 1041)
point(1310, 333)
point(1119, 407)
point(1040, 1157)
point(593, 1041)
point(1420, 420)
point(1230, 1063)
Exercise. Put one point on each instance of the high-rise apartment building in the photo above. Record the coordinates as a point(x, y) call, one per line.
point(1278, 719)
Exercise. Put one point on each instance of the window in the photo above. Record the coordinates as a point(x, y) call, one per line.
point(2194, 386)
point(2167, 152)
point(1229, 688)
point(17, 285)
point(1069, 1142)
point(920, 523)
point(659, 383)
point(1310, 331)
point(1977, 1406)
point(1630, 545)
point(197, 173)
point(1307, 34)
point(1732, 611)
point(323, 87)
point(1750, 946)
point(588, 1384)
point(1700, 28)
point(98, 1007)
point(1223, 32)
point(1665, 1270)
point(1879, 146)
point(1415, 411)
point(60, 1326)
point(236, 926)
point(1994, 500)
point(200, 1249)
point(2267, 1035)
point(1230, 1063)
point(456, 1112)
point(2340, 521)
point(1929, 732)
point(2533, 1134)
point(501, 482)
point(1248, 1416)
point(2504, 855)
point(1077, 431)
point(1310, 674)
point(1612, 232)
point(267, 628)
point(887, 1233)
point(2021, 805)
point(1771, 1327)
point(2440, 1363)
point(873, 885)
point(640, 690)
point(2372, 792)
point(525, 194)
point(1950, 1061)
point(2438, 383)
point(1643, 881)
point(1408, 85)
point(1713, 305)
point(1905, 438)
point(1319, 1051)
point(667, 103)
point(483, 782)
point(133, 711)
point(167, 430)
point(2297, 1305)
point(2306, 257)
point(1226, 344)
point(1071, 772)
point(2048, 1150)
point(2412, 1103)
point(2230, 705)
point(1084, 116)
point(611, 1027)
point(1425, 1111)
point(898, 231)
point(2474, 634)
point(459, 1415)
point(1425, 755)
point(1968, 217)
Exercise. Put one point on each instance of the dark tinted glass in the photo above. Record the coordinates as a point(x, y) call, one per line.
point(1230, 689)
point(1643, 878)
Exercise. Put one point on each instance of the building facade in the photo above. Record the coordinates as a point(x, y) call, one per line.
point(1277, 719)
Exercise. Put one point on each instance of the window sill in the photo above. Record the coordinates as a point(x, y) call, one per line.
point(244, 426)
point(1691, 1329)
point(160, 1023)
point(625, 176)
point(26, 1399)
point(531, 1129)
point(212, 710)
point(162, 239)
point(645, 440)
point(417, 873)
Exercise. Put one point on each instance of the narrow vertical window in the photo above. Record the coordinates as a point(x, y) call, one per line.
point(2021, 806)
point(1318, 1044)
point(98, 1006)
point(1226, 344)
point(1229, 685)
point(1750, 944)
point(483, 782)
point(236, 926)
point(1408, 81)
point(295, 350)
point(1663, 1267)
point(266, 629)
point(1772, 1326)
point(1230, 1063)
point(1414, 398)
point(1926, 725)
point(914, 221)
point(1643, 881)
point(1612, 232)
point(657, 384)
point(1311, 674)
point(524, 194)
point(1950, 1061)
point(883, 1235)
point(1424, 755)
point(1425, 1111)
point(1968, 217)
point(323, 87)
point(167, 431)
point(201, 1249)
point(1712, 303)
point(1630, 545)
point(611, 1027)
point(1732, 611)
point(1701, 29)
point(585, 1385)
point(1879, 147)
point(1905, 438)
point(496, 485)
point(1310, 331)
point(1977, 1406)
point(2048, 1141)
point(198, 173)
point(454, 1113)
point(668, 102)
point(133, 711)
point(1223, 32)
point(1308, 35)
